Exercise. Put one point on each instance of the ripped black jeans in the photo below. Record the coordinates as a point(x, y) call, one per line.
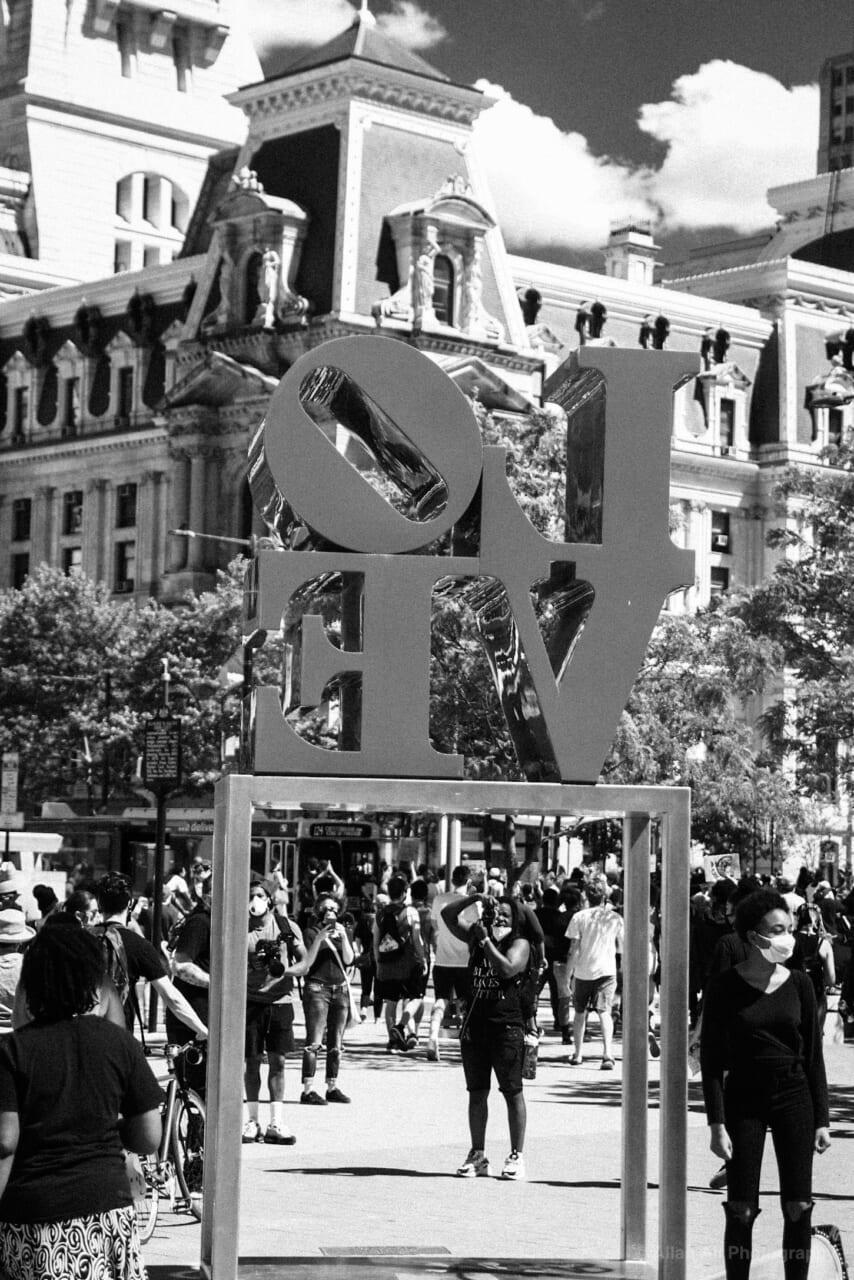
point(779, 1101)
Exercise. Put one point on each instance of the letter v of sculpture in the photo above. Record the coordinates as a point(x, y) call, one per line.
point(355, 403)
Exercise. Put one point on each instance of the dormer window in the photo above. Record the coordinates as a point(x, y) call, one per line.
point(439, 250)
point(829, 400)
point(443, 289)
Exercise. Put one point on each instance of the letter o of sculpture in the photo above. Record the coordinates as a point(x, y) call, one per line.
point(416, 419)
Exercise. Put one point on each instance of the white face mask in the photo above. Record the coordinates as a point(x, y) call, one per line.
point(779, 948)
point(500, 931)
point(257, 906)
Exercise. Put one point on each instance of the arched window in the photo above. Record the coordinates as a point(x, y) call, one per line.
point(443, 289)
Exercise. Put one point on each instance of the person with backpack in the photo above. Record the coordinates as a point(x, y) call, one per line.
point(275, 942)
point(401, 965)
point(813, 955)
point(130, 958)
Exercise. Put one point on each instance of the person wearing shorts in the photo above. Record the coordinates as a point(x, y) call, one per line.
point(401, 966)
point(492, 1037)
point(595, 940)
point(273, 942)
point(451, 959)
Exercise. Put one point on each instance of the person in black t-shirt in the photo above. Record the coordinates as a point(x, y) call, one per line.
point(192, 961)
point(74, 1090)
point(762, 1064)
point(143, 962)
point(492, 1037)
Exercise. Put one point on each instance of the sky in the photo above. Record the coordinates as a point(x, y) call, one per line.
point(681, 111)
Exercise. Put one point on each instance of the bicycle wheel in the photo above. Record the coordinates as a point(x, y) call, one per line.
point(188, 1148)
point(146, 1195)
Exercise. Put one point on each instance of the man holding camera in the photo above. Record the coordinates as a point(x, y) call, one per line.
point(274, 943)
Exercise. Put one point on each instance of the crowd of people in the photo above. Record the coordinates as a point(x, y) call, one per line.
point(72, 981)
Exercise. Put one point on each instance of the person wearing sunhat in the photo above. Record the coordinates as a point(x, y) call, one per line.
point(11, 884)
point(14, 931)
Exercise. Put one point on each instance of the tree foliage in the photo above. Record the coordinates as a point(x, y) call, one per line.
point(80, 675)
point(807, 607)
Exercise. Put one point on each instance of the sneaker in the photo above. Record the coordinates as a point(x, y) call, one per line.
point(514, 1167)
point(276, 1136)
point(566, 1036)
point(607, 1064)
point(718, 1180)
point(475, 1165)
point(654, 1046)
point(251, 1132)
point(396, 1039)
point(336, 1095)
point(576, 1060)
point(312, 1099)
point(410, 1043)
point(432, 1050)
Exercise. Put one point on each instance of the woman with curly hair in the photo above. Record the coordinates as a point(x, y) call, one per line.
point(74, 1090)
point(762, 1063)
point(492, 1037)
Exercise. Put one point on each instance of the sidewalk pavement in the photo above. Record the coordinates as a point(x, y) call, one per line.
point(369, 1189)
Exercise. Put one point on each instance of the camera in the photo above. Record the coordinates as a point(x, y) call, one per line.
point(270, 955)
point(490, 913)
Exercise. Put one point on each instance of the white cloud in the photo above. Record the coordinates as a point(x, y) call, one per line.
point(297, 22)
point(411, 26)
point(279, 23)
point(730, 133)
point(548, 186)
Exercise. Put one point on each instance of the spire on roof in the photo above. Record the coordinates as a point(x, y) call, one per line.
point(365, 16)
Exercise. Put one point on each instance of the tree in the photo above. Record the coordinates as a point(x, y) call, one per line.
point(62, 636)
point(807, 608)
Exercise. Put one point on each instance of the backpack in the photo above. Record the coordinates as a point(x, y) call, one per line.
point(395, 932)
point(115, 958)
point(116, 965)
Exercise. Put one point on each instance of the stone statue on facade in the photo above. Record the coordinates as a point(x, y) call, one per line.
point(598, 316)
point(271, 285)
point(722, 340)
point(662, 332)
point(582, 323)
point(646, 332)
point(422, 291)
point(707, 343)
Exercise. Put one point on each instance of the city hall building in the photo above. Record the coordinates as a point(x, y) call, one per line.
point(176, 228)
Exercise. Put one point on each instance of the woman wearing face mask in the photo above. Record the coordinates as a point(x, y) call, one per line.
point(760, 1028)
point(492, 1037)
point(326, 999)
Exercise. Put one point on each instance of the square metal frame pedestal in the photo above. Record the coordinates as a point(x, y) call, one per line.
point(238, 795)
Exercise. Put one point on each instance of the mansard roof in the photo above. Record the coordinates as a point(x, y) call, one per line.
point(361, 40)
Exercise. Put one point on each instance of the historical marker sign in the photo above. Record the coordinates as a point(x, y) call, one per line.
point(9, 783)
point(161, 758)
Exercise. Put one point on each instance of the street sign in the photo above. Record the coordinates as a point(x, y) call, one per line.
point(161, 753)
point(9, 783)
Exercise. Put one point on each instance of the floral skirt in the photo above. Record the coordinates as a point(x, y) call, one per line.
point(102, 1246)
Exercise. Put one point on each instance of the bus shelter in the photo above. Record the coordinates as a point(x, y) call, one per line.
point(237, 796)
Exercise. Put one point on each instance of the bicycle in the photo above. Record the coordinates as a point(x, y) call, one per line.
point(179, 1160)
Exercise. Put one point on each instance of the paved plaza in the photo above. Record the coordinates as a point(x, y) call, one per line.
point(369, 1189)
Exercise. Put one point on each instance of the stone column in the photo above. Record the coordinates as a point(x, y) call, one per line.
point(198, 500)
point(44, 533)
point(149, 529)
point(180, 510)
point(92, 524)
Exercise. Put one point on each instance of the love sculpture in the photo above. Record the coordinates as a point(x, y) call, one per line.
point(443, 516)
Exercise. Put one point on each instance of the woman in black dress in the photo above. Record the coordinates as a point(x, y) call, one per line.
point(763, 1069)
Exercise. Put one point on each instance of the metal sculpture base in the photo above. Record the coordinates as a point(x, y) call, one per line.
point(238, 795)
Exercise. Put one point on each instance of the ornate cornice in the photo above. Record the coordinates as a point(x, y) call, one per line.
point(277, 100)
point(80, 447)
